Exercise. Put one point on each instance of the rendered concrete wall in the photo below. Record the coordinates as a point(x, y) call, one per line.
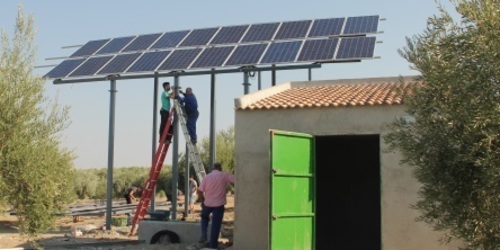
point(252, 141)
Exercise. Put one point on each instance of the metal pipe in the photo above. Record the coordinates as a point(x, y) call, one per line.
point(175, 156)
point(111, 145)
point(187, 193)
point(273, 76)
point(259, 86)
point(155, 132)
point(182, 73)
point(212, 123)
point(246, 84)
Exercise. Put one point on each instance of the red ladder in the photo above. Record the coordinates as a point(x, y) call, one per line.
point(149, 185)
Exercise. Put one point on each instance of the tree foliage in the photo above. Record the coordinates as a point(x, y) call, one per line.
point(86, 184)
point(454, 145)
point(35, 170)
point(224, 151)
point(92, 183)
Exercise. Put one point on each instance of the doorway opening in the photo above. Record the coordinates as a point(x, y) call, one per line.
point(348, 213)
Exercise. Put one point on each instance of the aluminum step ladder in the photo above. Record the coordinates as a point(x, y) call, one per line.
point(154, 172)
point(194, 156)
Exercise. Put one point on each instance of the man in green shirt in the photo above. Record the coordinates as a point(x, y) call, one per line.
point(166, 95)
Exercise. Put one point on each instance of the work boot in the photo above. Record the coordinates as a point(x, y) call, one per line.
point(202, 243)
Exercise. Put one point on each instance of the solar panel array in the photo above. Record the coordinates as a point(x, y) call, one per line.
point(319, 40)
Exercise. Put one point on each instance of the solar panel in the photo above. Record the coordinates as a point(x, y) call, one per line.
point(91, 66)
point(170, 39)
point(316, 40)
point(119, 63)
point(260, 32)
point(295, 29)
point(318, 50)
point(148, 61)
point(180, 59)
point(90, 48)
point(281, 52)
point(246, 54)
point(199, 37)
point(326, 27)
point(115, 45)
point(64, 68)
point(142, 42)
point(212, 57)
point(356, 47)
point(231, 34)
point(361, 25)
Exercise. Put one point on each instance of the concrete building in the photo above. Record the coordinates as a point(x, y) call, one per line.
point(363, 194)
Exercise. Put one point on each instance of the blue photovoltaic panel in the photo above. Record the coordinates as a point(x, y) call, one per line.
point(180, 59)
point(91, 66)
point(170, 39)
point(281, 52)
point(246, 54)
point(148, 61)
point(116, 45)
point(64, 68)
point(90, 48)
point(212, 57)
point(199, 37)
point(361, 25)
point(142, 42)
point(318, 50)
point(290, 30)
point(119, 64)
point(231, 34)
point(356, 47)
point(260, 32)
point(315, 40)
point(326, 27)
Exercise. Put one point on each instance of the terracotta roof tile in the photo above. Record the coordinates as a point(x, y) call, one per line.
point(335, 95)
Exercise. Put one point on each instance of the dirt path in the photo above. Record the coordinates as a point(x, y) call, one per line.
point(66, 234)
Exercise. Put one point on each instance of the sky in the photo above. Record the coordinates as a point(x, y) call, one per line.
point(70, 23)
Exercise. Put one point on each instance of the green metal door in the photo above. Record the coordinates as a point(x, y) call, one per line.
point(292, 216)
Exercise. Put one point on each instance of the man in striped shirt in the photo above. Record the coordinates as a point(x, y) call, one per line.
point(212, 193)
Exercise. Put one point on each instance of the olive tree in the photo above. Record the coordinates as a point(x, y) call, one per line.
point(35, 169)
point(224, 151)
point(453, 147)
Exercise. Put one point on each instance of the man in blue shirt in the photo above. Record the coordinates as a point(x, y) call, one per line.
point(191, 107)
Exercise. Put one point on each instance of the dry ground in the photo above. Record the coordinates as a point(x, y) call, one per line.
point(65, 235)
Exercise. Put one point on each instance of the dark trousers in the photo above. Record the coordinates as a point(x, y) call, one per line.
point(217, 215)
point(191, 124)
point(127, 198)
point(163, 120)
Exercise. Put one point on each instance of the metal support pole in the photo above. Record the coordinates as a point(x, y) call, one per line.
point(212, 122)
point(273, 76)
point(259, 77)
point(175, 156)
point(188, 73)
point(309, 77)
point(246, 84)
point(111, 146)
point(187, 193)
point(155, 133)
